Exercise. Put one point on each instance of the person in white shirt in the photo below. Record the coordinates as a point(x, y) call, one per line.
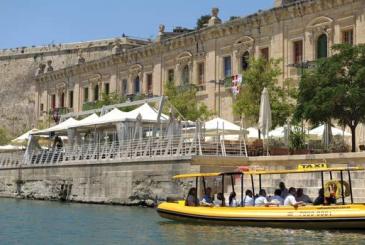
point(220, 200)
point(277, 199)
point(248, 200)
point(301, 197)
point(290, 199)
point(261, 200)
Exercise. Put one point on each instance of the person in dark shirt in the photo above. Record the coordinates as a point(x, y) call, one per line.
point(191, 198)
point(207, 199)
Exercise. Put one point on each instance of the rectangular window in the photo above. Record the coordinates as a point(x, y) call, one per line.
point(170, 75)
point(71, 99)
point(264, 53)
point(298, 52)
point(41, 109)
point(124, 87)
point(227, 66)
point(201, 72)
point(106, 88)
point(149, 84)
point(86, 94)
point(348, 37)
point(53, 101)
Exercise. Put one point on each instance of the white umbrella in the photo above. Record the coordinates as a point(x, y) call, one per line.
point(318, 131)
point(265, 113)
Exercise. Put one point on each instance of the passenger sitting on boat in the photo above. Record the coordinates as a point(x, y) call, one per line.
point(290, 199)
point(232, 202)
point(220, 200)
point(277, 199)
point(207, 199)
point(191, 199)
point(322, 200)
point(283, 189)
point(248, 200)
point(301, 197)
point(261, 200)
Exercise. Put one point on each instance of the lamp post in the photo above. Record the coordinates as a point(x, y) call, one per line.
point(219, 82)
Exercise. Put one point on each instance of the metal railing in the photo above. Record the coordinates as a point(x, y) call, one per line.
point(11, 159)
point(144, 149)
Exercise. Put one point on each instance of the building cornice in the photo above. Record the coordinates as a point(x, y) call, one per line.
point(240, 25)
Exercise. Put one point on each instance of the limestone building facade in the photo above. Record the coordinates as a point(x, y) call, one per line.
point(293, 31)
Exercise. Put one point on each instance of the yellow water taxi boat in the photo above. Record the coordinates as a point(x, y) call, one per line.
point(338, 216)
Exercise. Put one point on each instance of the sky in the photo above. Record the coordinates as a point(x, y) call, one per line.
point(42, 22)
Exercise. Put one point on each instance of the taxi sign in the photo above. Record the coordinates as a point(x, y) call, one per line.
point(312, 166)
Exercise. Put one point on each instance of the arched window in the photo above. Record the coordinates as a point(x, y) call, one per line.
point(136, 85)
point(185, 75)
point(244, 61)
point(322, 46)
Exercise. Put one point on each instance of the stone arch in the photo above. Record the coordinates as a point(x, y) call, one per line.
point(319, 21)
point(243, 40)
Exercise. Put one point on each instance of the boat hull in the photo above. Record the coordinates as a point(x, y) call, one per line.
point(310, 217)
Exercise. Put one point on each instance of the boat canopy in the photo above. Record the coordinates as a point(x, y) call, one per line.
point(259, 172)
point(304, 170)
point(185, 176)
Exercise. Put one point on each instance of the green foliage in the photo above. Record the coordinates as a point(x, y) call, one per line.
point(202, 21)
point(106, 99)
point(335, 89)
point(297, 139)
point(4, 137)
point(183, 98)
point(259, 75)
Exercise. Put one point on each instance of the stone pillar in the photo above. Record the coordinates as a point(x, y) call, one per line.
point(113, 84)
point(157, 79)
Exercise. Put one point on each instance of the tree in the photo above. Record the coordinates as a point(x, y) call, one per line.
point(202, 21)
point(261, 74)
point(335, 89)
point(183, 98)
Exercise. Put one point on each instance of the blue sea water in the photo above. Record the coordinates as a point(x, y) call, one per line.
point(41, 222)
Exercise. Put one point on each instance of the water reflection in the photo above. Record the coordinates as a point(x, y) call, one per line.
point(35, 222)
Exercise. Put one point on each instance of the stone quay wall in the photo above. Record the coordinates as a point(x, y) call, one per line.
point(148, 182)
point(127, 183)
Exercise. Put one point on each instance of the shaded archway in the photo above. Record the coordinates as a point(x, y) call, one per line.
point(245, 61)
point(136, 86)
point(185, 75)
point(322, 46)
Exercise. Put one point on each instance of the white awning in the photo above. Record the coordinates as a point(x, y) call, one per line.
point(22, 139)
point(113, 116)
point(86, 121)
point(147, 112)
point(318, 131)
point(221, 125)
point(59, 127)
